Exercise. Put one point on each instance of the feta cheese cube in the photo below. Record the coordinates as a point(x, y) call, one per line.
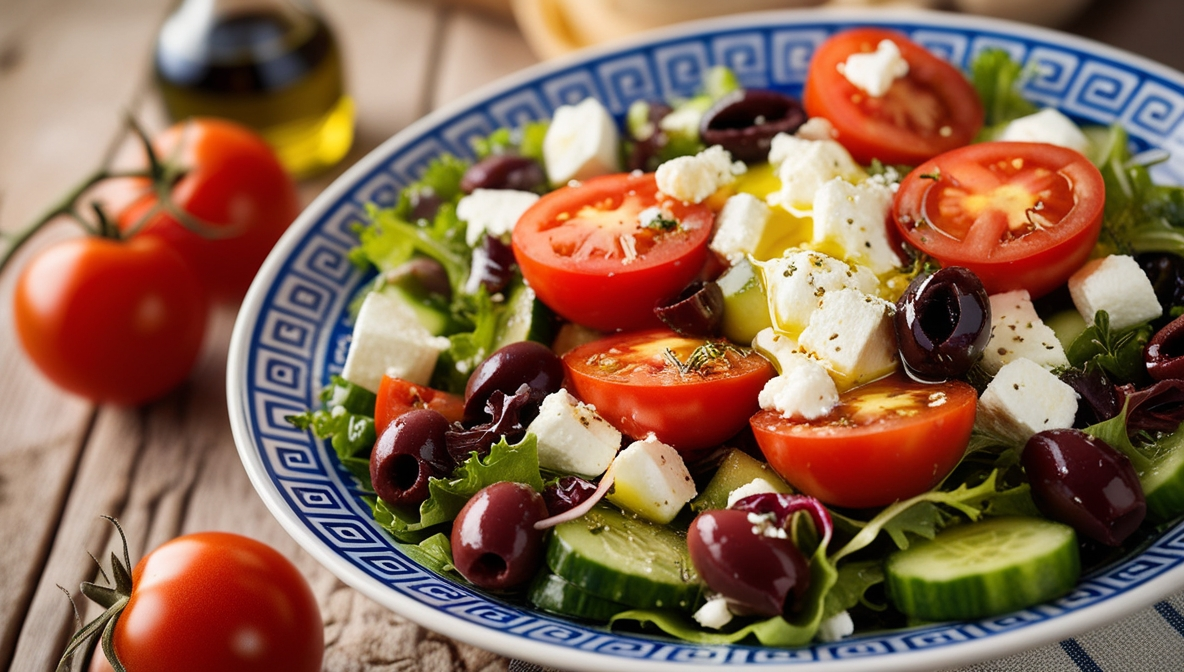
point(1025, 398)
point(874, 72)
point(714, 613)
point(836, 627)
point(852, 333)
point(1047, 125)
point(692, 179)
point(572, 437)
point(805, 165)
point(740, 225)
point(1017, 331)
point(854, 217)
point(775, 347)
point(757, 486)
point(804, 390)
point(389, 339)
point(651, 480)
point(581, 142)
point(1117, 285)
point(492, 211)
point(796, 282)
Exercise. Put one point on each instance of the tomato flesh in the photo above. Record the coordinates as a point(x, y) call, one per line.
point(930, 110)
point(586, 254)
point(886, 441)
point(397, 396)
point(1019, 215)
point(653, 381)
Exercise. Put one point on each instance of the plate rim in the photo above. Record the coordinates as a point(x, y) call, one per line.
point(981, 649)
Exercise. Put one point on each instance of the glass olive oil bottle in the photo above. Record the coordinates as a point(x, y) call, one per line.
point(272, 65)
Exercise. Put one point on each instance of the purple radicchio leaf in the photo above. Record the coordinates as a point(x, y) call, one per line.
point(1158, 408)
point(505, 412)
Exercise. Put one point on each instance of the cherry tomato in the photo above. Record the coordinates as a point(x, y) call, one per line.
point(1019, 215)
point(218, 601)
point(885, 441)
point(690, 392)
point(233, 181)
point(113, 321)
point(587, 255)
point(397, 396)
point(930, 110)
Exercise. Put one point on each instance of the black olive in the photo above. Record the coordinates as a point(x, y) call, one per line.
point(504, 171)
point(744, 122)
point(524, 362)
point(943, 323)
point(1164, 354)
point(697, 311)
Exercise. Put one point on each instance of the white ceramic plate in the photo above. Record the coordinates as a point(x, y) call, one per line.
point(291, 335)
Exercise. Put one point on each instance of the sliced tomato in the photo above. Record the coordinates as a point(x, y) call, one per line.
point(397, 396)
point(931, 110)
point(586, 254)
point(885, 441)
point(1019, 215)
point(691, 393)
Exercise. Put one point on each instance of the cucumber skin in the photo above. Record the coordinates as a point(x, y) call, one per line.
point(552, 593)
point(608, 579)
point(999, 591)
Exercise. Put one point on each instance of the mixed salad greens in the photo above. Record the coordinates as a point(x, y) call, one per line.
point(718, 468)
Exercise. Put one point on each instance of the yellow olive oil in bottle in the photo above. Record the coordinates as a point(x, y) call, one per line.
point(272, 65)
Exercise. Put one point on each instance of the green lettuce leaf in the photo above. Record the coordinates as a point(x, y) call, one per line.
point(1139, 216)
point(1118, 353)
point(998, 80)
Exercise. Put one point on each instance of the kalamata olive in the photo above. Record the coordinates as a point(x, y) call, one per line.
point(494, 543)
point(1081, 481)
point(1098, 396)
point(566, 493)
point(504, 171)
point(943, 323)
point(409, 451)
point(492, 266)
point(1166, 273)
point(1164, 354)
point(650, 139)
point(756, 574)
point(509, 367)
point(744, 122)
point(698, 310)
point(422, 275)
point(424, 203)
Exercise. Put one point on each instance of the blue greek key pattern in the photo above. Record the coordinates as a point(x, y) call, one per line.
point(300, 332)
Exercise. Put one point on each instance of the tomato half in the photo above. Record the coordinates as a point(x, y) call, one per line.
point(930, 110)
point(234, 182)
point(113, 321)
point(691, 393)
point(885, 441)
point(586, 254)
point(1019, 215)
point(219, 601)
point(397, 396)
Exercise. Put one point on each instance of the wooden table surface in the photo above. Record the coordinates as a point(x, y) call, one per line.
point(69, 70)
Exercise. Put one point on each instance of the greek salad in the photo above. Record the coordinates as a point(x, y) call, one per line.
point(744, 367)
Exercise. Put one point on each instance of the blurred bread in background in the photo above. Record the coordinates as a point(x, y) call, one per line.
point(556, 27)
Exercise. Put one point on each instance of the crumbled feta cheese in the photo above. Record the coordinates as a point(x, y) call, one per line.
point(740, 225)
point(836, 627)
point(852, 333)
point(388, 339)
point(492, 211)
point(1024, 398)
point(1017, 331)
point(1048, 125)
point(580, 143)
point(874, 72)
point(692, 179)
point(572, 437)
point(796, 282)
point(714, 613)
point(817, 128)
point(805, 165)
point(1117, 285)
point(651, 480)
point(757, 486)
point(775, 347)
point(854, 217)
point(804, 390)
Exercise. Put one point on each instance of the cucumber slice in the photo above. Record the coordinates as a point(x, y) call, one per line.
point(746, 310)
point(625, 559)
point(1163, 486)
point(983, 569)
point(550, 592)
point(737, 468)
point(525, 319)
